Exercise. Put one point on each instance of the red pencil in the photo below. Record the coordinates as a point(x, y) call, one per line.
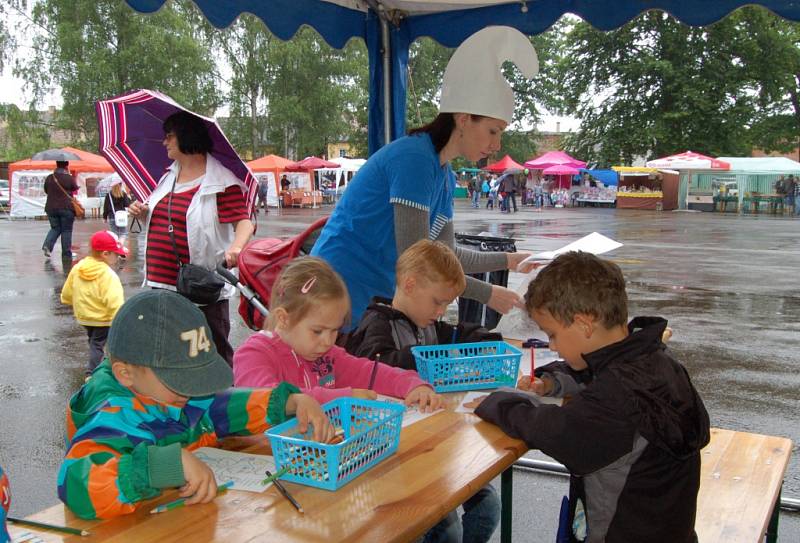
point(533, 363)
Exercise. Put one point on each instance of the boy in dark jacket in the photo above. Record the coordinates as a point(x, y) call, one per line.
point(429, 278)
point(632, 432)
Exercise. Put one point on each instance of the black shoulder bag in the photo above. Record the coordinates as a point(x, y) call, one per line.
point(196, 283)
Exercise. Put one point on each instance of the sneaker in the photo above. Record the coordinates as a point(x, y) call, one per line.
point(46, 252)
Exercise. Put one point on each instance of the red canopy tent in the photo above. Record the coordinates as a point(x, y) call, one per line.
point(554, 158)
point(310, 163)
point(26, 180)
point(504, 164)
point(270, 166)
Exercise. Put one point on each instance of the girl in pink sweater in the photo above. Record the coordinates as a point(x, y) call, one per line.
point(308, 307)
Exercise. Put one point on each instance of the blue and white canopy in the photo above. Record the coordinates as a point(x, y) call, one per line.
point(447, 21)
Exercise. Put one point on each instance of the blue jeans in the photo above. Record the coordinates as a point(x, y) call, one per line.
point(476, 195)
point(481, 515)
point(61, 221)
point(447, 531)
point(478, 523)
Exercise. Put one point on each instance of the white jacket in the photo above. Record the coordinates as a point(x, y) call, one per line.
point(208, 239)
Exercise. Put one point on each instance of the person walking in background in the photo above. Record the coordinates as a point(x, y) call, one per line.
point(263, 189)
point(116, 200)
point(94, 291)
point(59, 187)
point(492, 192)
point(476, 191)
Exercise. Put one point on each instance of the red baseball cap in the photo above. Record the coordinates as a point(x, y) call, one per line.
point(105, 240)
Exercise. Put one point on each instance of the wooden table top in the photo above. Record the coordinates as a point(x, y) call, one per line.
point(441, 461)
point(740, 481)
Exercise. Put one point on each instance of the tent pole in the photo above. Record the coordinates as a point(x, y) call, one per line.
point(387, 77)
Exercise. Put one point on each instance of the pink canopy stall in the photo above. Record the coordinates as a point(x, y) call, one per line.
point(554, 158)
point(563, 173)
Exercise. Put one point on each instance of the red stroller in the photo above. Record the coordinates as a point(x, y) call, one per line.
point(260, 263)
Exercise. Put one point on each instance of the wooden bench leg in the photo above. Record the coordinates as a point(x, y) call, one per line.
point(506, 497)
point(772, 528)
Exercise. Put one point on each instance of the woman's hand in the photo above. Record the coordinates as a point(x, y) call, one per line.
point(138, 210)
point(308, 411)
point(515, 262)
point(232, 256)
point(427, 399)
point(504, 300)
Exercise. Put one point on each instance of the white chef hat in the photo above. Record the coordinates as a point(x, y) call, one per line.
point(474, 81)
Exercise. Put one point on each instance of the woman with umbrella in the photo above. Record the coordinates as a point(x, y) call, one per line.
point(404, 192)
point(59, 187)
point(202, 202)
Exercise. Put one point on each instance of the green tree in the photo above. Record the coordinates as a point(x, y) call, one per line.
point(315, 93)
point(25, 133)
point(655, 87)
point(94, 49)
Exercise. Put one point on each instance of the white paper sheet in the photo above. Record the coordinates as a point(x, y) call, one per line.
point(469, 396)
point(412, 414)
point(244, 469)
point(594, 243)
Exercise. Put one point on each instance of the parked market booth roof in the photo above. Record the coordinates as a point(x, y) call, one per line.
point(269, 169)
point(505, 164)
point(26, 181)
point(554, 158)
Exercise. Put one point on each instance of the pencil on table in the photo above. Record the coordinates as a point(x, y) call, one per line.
point(282, 490)
point(374, 371)
point(180, 502)
point(57, 528)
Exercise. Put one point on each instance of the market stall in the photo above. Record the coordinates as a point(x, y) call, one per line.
point(308, 193)
point(688, 163)
point(598, 188)
point(26, 182)
point(647, 188)
point(333, 181)
point(269, 169)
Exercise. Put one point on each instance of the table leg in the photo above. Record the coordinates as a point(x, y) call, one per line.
point(772, 527)
point(506, 491)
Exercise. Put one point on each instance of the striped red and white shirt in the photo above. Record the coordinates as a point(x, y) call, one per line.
point(162, 264)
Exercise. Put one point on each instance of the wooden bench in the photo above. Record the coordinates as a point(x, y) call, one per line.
point(740, 487)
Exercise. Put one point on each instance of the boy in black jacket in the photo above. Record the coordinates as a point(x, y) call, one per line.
point(429, 277)
point(632, 432)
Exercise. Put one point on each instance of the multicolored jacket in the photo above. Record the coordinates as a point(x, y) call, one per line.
point(123, 448)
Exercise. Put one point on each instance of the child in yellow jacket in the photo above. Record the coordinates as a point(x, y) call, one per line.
point(94, 291)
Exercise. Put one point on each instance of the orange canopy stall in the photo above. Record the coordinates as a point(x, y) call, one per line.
point(26, 181)
point(269, 169)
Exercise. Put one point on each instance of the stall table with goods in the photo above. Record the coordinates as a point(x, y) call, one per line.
point(647, 188)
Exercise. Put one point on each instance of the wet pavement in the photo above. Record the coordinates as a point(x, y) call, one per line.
point(728, 285)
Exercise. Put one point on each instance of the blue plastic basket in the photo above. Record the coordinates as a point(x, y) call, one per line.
point(468, 366)
point(371, 433)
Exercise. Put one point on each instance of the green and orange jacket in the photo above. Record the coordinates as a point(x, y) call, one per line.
point(123, 448)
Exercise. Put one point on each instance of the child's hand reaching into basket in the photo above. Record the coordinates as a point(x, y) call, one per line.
point(308, 411)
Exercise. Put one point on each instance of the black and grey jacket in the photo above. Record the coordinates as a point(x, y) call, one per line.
point(630, 437)
point(387, 332)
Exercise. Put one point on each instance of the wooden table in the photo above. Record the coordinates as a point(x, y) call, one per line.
point(441, 461)
point(740, 487)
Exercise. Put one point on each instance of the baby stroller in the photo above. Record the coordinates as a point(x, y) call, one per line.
point(260, 263)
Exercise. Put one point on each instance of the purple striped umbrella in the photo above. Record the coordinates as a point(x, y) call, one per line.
point(131, 137)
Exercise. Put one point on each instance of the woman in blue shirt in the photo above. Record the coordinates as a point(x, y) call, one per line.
point(404, 192)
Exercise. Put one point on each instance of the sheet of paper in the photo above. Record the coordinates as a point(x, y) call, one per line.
point(469, 396)
point(411, 415)
point(594, 243)
point(244, 469)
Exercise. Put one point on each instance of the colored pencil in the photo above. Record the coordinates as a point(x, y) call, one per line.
point(533, 362)
point(282, 490)
point(374, 371)
point(180, 502)
point(283, 471)
point(35, 524)
point(455, 335)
